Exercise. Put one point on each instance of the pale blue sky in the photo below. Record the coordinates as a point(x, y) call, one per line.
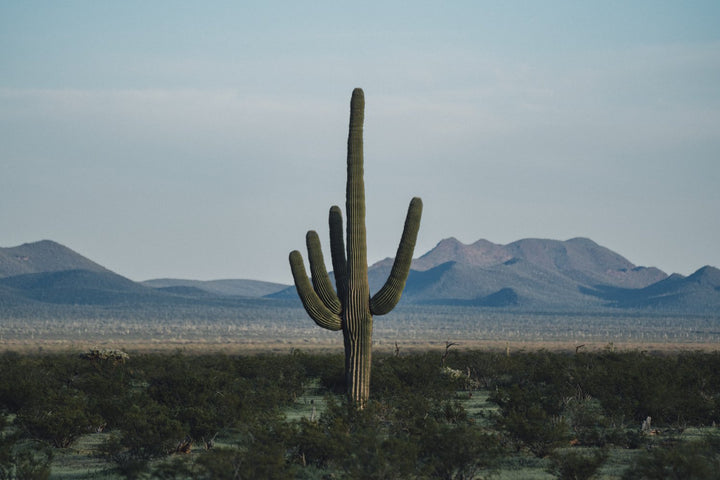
point(202, 140)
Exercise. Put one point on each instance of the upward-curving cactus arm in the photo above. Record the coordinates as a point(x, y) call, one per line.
point(389, 295)
point(337, 251)
point(318, 273)
point(314, 306)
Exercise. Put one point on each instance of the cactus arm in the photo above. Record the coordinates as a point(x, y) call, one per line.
point(310, 300)
point(389, 295)
point(337, 250)
point(318, 273)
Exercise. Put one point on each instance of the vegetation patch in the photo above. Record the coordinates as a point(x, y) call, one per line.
point(439, 414)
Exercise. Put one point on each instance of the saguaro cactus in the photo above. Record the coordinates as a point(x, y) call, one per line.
point(350, 308)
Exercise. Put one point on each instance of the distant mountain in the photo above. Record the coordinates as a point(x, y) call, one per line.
point(43, 256)
point(46, 272)
point(240, 287)
point(697, 292)
point(105, 289)
point(540, 274)
point(528, 275)
point(78, 287)
point(579, 259)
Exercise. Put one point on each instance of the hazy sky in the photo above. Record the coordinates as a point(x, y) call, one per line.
point(203, 139)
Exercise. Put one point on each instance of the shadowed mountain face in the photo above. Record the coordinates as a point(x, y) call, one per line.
point(82, 287)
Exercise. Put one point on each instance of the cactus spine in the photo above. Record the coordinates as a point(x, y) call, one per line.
point(350, 307)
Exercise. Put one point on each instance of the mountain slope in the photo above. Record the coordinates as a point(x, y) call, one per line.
point(43, 256)
point(79, 287)
point(584, 261)
point(238, 287)
point(480, 253)
point(106, 289)
point(530, 273)
point(48, 272)
point(580, 259)
point(698, 292)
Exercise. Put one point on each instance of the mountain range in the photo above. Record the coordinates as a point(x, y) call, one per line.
point(529, 274)
point(46, 272)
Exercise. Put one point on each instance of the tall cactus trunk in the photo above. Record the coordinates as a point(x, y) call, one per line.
point(357, 319)
point(351, 309)
point(358, 360)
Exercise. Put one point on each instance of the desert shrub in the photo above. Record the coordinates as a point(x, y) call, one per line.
point(276, 379)
point(404, 437)
point(175, 467)
point(202, 396)
point(209, 394)
point(261, 452)
point(28, 463)
point(414, 426)
point(23, 380)
point(586, 418)
point(535, 429)
point(576, 464)
point(106, 384)
point(457, 451)
point(524, 416)
point(62, 388)
point(59, 417)
point(329, 368)
point(413, 375)
point(22, 459)
point(689, 460)
point(672, 389)
point(627, 386)
point(342, 432)
point(147, 432)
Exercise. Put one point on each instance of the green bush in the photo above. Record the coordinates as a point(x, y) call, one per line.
point(408, 438)
point(21, 459)
point(586, 418)
point(415, 424)
point(690, 460)
point(59, 417)
point(525, 418)
point(147, 432)
point(576, 464)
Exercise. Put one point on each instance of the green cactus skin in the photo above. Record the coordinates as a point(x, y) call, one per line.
point(350, 308)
